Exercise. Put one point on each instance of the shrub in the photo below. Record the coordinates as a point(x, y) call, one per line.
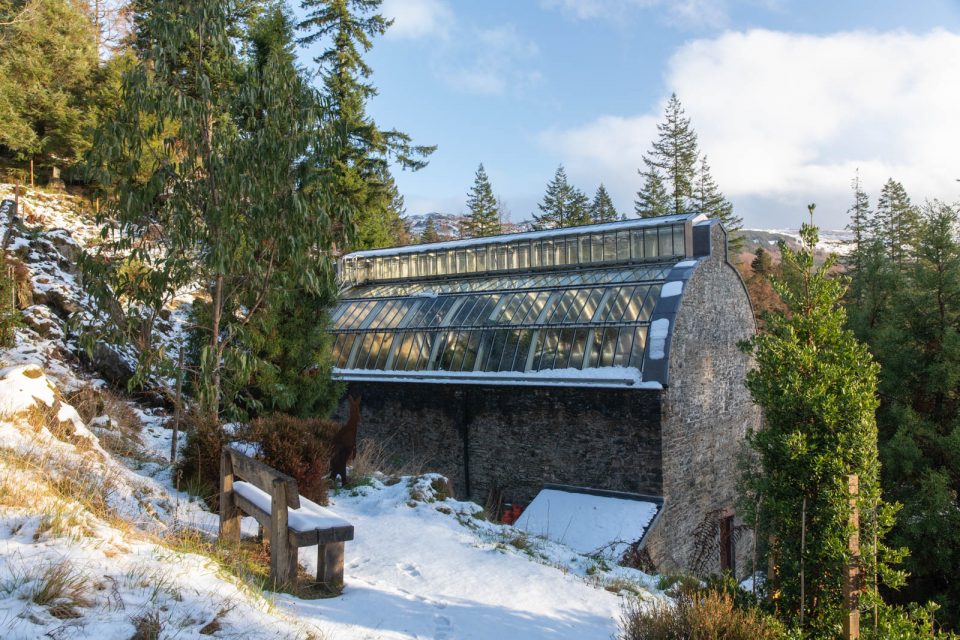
point(703, 615)
point(200, 457)
point(299, 447)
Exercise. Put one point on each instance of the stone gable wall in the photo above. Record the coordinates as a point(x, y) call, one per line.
point(707, 410)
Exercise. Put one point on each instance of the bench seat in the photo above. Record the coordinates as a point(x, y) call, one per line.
point(311, 523)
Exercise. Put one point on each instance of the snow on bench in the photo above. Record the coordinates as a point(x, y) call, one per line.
point(289, 520)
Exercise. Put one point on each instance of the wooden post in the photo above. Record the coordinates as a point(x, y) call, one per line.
point(330, 565)
point(851, 582)
point(803, 551)
point(16, 199)
point(279, 542)
point(31, 173)
point(177, 409)
point(229, 514)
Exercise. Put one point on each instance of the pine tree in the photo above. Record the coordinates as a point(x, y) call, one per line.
point(359, 167)
point(484, 216)
point(430, 233)
point(817, 386)
point(917, 342)
point(49, 79)
point(652, 199)
point(897, 220)
point(762, 263)
point(707, 199)
point(563, 204)
point(602, 209)
point(673, 156)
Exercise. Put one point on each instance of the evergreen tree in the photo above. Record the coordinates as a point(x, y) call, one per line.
point(430, 233)
point(563, 204)
point(896, 220)
point(49, 82)
point(602, 209)
point(652, 199)
point(817, 386)
point(673, 156)
point(762, 263)
point(484, 217)
point(860, 226)
point(708, 199)
point(359, 166)
point(239, 209)
point(917, 342)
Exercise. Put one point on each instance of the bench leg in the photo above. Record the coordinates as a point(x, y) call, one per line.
point(280, 547)
point(330, 564)
point(229, 514)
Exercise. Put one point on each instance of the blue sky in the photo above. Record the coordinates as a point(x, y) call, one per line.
point(789, 98)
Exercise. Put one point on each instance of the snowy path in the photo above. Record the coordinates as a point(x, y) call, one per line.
point(414, 572)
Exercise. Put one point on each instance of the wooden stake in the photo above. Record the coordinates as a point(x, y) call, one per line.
point(31, 173)
point(851, 582)
point(177, 409)
point(803, 550)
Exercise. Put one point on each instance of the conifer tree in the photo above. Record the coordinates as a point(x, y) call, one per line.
point(563, 204)
point(817, 386)
point(652, 199)
point(860, 224)
point(897, 220)
point(430, 233)
point(484, 216)
point(360, 164)
point(708, 199)
point(673, 156)
point(602, 209)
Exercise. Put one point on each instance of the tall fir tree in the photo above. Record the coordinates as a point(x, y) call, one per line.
point(430, 233)
point(917, 342)
point(817, 386)
point(673, 156)
point(358, 169)
point(483, 218)
point(602, 208)
point(708, 199)
point(652, 199)
point(897, 221)
point(563, 205)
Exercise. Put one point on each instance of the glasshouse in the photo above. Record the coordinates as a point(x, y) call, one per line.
point(600, 358)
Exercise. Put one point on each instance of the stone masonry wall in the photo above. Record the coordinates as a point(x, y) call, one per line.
point(707, 410)
point(518, 437)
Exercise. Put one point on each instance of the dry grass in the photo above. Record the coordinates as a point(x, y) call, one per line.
point(708, 615)
point(146, 625)
point(62, 590)
point(372, 458)
point(122, 436)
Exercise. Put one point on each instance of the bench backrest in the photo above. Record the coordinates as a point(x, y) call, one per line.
point(262, 476)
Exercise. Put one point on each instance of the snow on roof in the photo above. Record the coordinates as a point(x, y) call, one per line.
point(599, 377)
point(588, 523)
point(529, 235)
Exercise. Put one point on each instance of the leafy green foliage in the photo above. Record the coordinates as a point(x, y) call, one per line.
point(817, 386)
point(563, 205)
point(236, 205)
point(430, 233)
point(484, 217)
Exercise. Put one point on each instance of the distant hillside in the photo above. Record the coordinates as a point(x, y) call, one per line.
point(448, 225)
point(831, 241)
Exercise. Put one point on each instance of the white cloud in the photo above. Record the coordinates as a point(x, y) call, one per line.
point(415, 19)
point(682, 13)
point(788, 118)
point(499, 60)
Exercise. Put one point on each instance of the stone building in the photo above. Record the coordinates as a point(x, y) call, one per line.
point(601, 357)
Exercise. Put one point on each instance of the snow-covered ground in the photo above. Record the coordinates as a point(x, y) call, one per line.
point(98, 545)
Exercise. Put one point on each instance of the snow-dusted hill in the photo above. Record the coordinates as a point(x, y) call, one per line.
point(96, 541)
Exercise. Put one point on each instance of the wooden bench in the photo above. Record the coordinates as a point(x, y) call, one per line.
point(289, 520)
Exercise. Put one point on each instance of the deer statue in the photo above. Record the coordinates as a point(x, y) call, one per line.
point(345, 443)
